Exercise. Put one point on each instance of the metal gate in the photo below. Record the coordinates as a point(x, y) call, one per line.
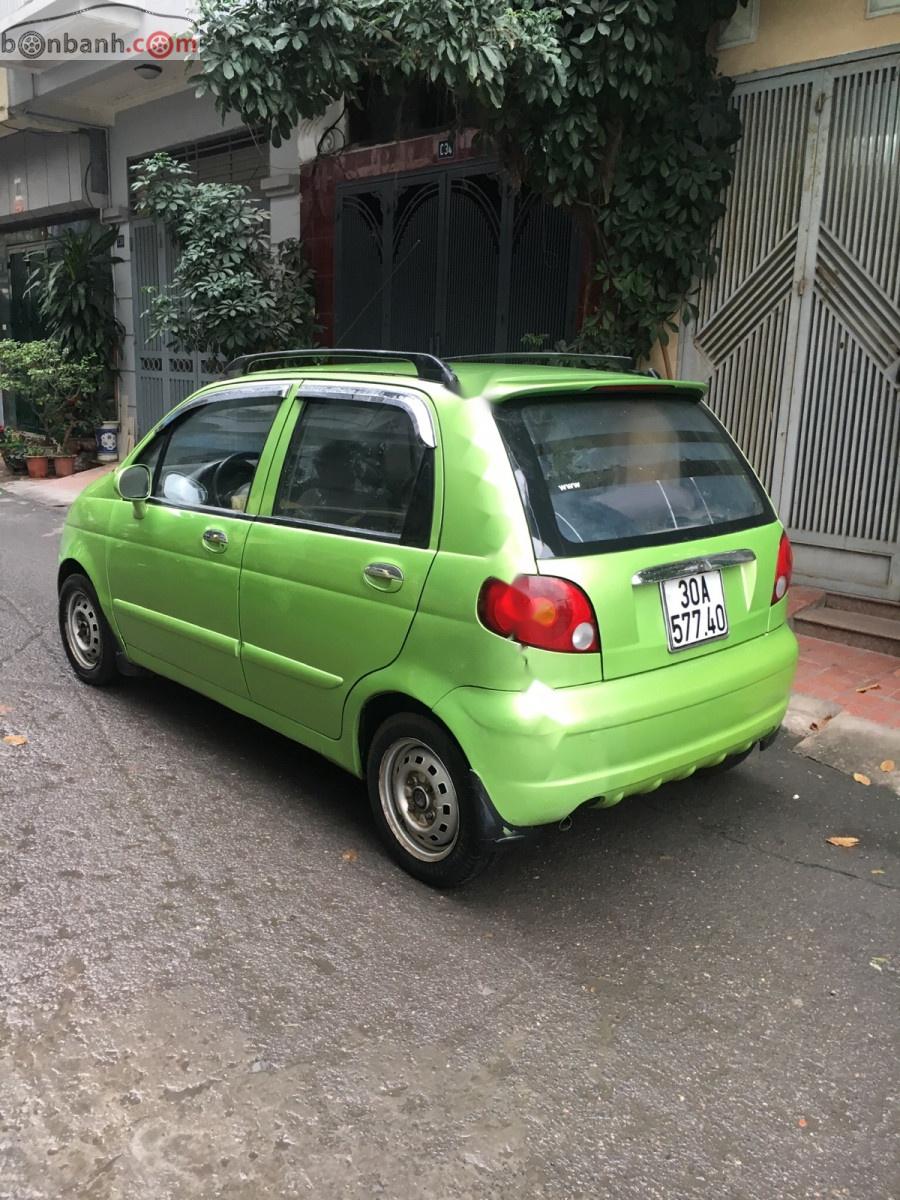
point(451, 262)
point(163, 377)
point(799, 330)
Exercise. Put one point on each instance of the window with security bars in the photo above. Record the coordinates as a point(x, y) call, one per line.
point(239, 157)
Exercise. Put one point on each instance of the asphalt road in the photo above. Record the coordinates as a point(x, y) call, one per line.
point(691, 995)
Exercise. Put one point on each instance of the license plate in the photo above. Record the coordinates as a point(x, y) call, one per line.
point(694, 609)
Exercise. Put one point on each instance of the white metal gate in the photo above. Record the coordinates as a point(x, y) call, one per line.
point(163, 377)
point(799, 330)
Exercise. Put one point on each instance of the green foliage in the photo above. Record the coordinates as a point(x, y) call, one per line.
point(229, 294)
point(609, 107)
point(641, 150)
point(277, 61)
point(74, 288)
point(60, 389)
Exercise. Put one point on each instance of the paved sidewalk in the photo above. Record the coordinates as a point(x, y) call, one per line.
point(846, 706)
point(57, 493)
point(848, 679)
point(841, 678)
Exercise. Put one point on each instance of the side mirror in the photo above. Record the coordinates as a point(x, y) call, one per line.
point(134, 483)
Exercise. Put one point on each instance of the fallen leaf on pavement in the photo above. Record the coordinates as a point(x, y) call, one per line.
point(15, 739)
point(842, 841)
point(869, 687)
point(878, 963)
point(861, 778)
point(350, 855)
point(888, 764)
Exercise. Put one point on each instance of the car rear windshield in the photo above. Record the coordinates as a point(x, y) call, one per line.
point(598, 473)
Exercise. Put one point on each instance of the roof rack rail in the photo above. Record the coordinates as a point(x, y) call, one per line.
point(624, 362)
point(427, 366)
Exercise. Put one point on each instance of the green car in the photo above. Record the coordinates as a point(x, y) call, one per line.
point(498, 590)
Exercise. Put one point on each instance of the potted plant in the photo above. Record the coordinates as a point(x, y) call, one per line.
point(37, 461)
point(74, 291)
point(64, 463)
point(13, 447)
point(61, 391)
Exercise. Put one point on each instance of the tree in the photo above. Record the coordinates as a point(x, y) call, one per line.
point(60, 389)
point(229, 294)
point(611, 108)
point(75, 298)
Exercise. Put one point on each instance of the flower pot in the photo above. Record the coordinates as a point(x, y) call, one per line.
point(64, 464)
point(108, 442)
point(38, 465)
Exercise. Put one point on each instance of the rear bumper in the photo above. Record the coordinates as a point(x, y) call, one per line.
point(544, 752)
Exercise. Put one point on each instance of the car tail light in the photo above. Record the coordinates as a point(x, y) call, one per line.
point(542, 611)
point(783, 569)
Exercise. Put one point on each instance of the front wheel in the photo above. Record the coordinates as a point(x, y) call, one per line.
point(88, 641)
point(422, 801)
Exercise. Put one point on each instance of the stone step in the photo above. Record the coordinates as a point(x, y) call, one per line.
point(863, 604)
point(879, 633)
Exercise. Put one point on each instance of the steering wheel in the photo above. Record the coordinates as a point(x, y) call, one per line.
point(227, 464)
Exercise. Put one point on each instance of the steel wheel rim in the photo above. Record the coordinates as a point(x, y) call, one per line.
point(419, 800)
point(83, 630)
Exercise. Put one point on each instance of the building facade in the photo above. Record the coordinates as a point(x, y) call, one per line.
point(799, 330)
point(798, 334)
point(70, 132)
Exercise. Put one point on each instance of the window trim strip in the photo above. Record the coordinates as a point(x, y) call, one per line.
point(412, 402)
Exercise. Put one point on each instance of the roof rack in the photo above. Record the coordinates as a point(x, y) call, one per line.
point(623, 362)
point(427, 366)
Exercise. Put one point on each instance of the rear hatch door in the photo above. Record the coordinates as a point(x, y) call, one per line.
point(640, 496)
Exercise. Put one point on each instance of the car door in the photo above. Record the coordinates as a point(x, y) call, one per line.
point(335, 565)
point(174, 563)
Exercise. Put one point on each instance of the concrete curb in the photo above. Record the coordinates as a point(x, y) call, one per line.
point(849, 744)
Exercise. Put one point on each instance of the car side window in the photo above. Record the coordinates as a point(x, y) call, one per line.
point(149, 456)
point(359, 468)
point(211, 454)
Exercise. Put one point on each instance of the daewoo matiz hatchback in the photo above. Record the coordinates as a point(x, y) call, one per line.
point(497, 590)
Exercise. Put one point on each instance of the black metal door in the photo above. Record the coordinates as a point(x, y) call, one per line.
point(451, 262)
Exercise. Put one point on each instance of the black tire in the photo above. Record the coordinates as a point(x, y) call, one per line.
point(92, 652)
point(727, 764)
point(442, 845)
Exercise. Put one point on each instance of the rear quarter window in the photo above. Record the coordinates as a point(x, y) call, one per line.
point(604, 472)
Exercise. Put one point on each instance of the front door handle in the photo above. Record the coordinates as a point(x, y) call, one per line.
point(385, 576)
point(215, 539)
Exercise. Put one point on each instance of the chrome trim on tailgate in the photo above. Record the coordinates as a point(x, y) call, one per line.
point(692, 566)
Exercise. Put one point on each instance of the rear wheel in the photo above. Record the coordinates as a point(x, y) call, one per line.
point(88, 641)
point(422, 802)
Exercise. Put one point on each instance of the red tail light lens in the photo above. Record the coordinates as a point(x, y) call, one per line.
point(783, 569)
point(542, 611)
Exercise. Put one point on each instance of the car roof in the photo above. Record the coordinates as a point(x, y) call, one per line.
point(495, 381)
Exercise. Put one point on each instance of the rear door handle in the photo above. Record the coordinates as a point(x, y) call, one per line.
point(385, 576)
point(215, 539)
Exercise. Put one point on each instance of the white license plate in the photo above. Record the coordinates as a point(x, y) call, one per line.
point(694, 609)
